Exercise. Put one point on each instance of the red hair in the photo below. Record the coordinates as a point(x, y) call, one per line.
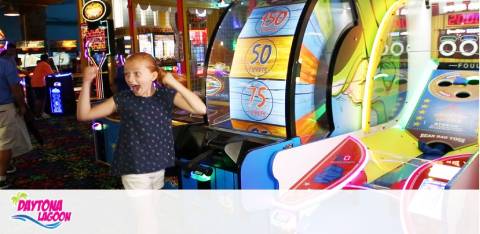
point(144, 57)
point(150, 62)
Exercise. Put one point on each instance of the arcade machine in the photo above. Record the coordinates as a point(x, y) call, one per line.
point(97, 37)
point(268, 69)
point(158, 38)
point(60, 86)
point(29, 52)
point(433, 141)
point(64, 54)
point(198, 31)
point(60, 94)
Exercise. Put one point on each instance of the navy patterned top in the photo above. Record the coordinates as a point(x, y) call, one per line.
point(145, 143)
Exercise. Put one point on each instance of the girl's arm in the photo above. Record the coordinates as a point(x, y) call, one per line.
point(84, 110)
point(184, 98)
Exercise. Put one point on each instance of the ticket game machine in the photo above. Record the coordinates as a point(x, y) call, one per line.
point(97, 35)
point(97, 38)
point(270, 66)
point(432, 141)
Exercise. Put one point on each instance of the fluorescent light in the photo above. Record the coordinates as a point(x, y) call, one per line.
point(10, 11)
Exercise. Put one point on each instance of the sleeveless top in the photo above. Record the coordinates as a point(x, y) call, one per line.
point(145, 142)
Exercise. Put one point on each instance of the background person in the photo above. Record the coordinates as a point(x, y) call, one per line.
point(41, 71)
point(14, 138)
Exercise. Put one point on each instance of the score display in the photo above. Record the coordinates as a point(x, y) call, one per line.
point(459, 19)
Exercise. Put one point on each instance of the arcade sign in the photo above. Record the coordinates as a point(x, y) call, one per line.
point(66, 44)
point(257, 100)
point(97, 39)
point(458, 7)
point(272, 21)
point(94, 10)
point(467, 18)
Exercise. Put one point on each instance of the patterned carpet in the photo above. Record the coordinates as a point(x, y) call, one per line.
point(65, 161)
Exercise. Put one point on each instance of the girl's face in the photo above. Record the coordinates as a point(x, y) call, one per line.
point(140, 78)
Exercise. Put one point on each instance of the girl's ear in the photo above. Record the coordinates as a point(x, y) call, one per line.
point(155, 75)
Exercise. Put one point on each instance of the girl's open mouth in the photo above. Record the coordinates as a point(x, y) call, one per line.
point(135, 88)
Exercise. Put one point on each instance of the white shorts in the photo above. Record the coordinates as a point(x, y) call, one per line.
point(13, 131)
point(153, 180)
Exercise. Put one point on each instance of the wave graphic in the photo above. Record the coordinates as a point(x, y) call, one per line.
point(26, 217)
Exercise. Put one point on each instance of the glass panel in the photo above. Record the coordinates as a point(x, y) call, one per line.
point(201, 22)
point(390, 81)
point(327, 22)
point(248, 65)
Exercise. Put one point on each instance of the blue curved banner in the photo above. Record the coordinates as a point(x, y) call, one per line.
point(26, 217)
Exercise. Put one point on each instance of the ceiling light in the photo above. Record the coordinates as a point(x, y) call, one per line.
point(10, 11)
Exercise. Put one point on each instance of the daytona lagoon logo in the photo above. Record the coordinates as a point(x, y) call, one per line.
point(46, 213)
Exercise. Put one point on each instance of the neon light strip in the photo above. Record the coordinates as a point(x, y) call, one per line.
point(198, 177)
point(378, 46)
point(53, 98)
point(321, 110)
point(63, 75)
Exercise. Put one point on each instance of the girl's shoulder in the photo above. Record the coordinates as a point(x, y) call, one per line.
point(122, 95)
point(163, 91)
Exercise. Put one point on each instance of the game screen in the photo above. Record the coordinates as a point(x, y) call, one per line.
point(198, 44)
point(145, 43)
point(61, 58)
point(164, 46)
point(247, 70)
point(29, 60)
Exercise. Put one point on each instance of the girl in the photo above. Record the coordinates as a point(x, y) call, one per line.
point(145, 144)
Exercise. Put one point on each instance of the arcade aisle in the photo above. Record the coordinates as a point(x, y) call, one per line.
point(66, 161)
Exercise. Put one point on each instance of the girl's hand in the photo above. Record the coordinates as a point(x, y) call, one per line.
point(169, 80)
point(90, 73)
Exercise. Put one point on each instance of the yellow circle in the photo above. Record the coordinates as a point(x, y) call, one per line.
point(260, 57)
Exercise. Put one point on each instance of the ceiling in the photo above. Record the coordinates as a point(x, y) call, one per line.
point(3, 3)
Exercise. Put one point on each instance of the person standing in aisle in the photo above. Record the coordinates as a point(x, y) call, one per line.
point(41, 71)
